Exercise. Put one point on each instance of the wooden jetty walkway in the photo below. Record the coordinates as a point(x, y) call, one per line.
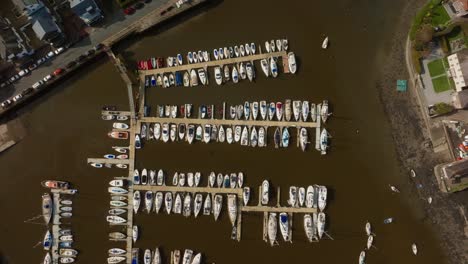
point(229, 122)
point(211, 63)
point(109, 161)
point(166, 188)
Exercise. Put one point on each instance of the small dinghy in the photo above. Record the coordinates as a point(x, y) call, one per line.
point(272, 228)
point(265, 192)
point(148, 201)
point(370, 240)
point(187, 209)
point(197, 204)
point(325, 43)
point(207, 205)
point(168, 202)
point(308, 227)
point(136, 201)
point(362, 257)
point(246, 195)
point(414, 248)
point(284, 226)
point(218, 202)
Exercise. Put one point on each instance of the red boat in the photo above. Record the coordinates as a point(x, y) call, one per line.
point(182, 110)
point(118, 135)
point(150, 66)
point(160, 62)
point(52, 184)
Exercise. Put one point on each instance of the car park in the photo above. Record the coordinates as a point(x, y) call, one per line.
point(17, 97)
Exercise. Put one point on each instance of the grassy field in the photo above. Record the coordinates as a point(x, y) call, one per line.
point(456, 33)
point(436, 67)
point(441, 84)
point(439, 15)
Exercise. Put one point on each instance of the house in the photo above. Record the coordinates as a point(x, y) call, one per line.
point(43, 23)
point(87, 10)
point(459, 7)
point(455, 174)
point(458, 69)
point(13, 44)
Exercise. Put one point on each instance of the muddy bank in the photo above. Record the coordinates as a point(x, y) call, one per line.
point(409, 133)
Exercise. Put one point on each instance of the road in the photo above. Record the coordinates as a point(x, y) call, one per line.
point(114, 24)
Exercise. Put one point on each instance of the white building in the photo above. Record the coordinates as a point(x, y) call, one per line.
point(458, 64)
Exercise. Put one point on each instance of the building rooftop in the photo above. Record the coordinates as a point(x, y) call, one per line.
point(42, 21)
point(458, 63)
point(87, 10)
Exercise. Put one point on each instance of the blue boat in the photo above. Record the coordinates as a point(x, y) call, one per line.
point(135, 252)
point(47, 243)
point(178, 79)
point(65, 244)
point(285, 138)
point(153, 80)
point(203, 111)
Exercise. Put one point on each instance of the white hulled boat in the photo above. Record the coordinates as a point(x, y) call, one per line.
point(136, 201)
point(218, 202)
point(272, 228)
point(232, 208)
point(284, 226)
point(168, 202)
point(158, 201)
point(265, 192)
point(246, 195)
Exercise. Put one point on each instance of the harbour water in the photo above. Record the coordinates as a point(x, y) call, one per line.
point(64, 128)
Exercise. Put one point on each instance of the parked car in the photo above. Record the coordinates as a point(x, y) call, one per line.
point(41, 61)
point(47, 78)
point(129, 10)
point(99, 46)
point(58, 71)
point(23, 72)
point(27, 91)
point(71, 64)
point(3, 84)
point(6, 103)
point(59, 50)
point(32, 67)
point(14, 78)
point(50, 54)
point(17, 97)
point(38, 84)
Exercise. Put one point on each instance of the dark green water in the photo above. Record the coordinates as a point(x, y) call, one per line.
point(64, 128)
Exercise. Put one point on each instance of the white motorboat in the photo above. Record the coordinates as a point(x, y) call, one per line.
point(313, 112)
point(187, 259)
point(148, 201)
point(221, 53)
point(144, 177)
point(182, 131)
point(47, 242)
point(116, 251)
point(186, 79)
point(233, 180)
point(199, 133)
point(362, 257)
point(190, 179)
point(242, 71)
point(247, 49)
point(237, 133)
point(301, 196)
point(321, 224)
point(242, 50)
point(325, 43)
point(236, 51)
point(219, 180)
point(261, 137)
point(197, 259)
point(116, 183)
point(255, 110)
point(267, 46)
point(322, 197)
point(158, 201)
point(197, 204)
point(368, 229)
point(324, 111)
point(206, 56)
point(118, 203)
point(157, 131)
point(370, 240)
point(215, 54)
point(193, 78)
point(147, 256)
point(246, 195)
point(156, 256)
point(200, 56)
point(414, 248)
point(207, 133)
point(272, 228)
point(187, 209)
point(166, 82)
point(303, 138)
point(226, 181)
point(195, 57)
point(117, 190)
point(171, 79)
point(292, 201)
point(202, 76)
point(305, 110)
point(285, 138)
point(152, 177)
point(226, 52)
point(273, 67)
point(253, 48)
point(285, 44)
point(178, 204)
point(120, 126)
point(165, 132)
point(231, 52)
point(297, 105)
point(394, 189)
point(218, 76)
point(196, 179)
point(175, 179)
point(265, 192)
point(250, 71)
point(235, 74)
point(115, 259)
point(115, 219)
point(181, 179)
point(160, 178)
point(240, 111)
point(245, 136)
point(324, 141)
point(176, 256)
point(232, 208)
point(227, 73)
point(247, 110)
point(168, 202)
point(217, 204)
point(292, 62)
point(272, 46)
point(240, 179)
point(287, 110)
point(253, 137)
point(47, 258)
point(173, 132)
point(211, 179)
point(284, 226)
point(308, 227)
point(190, 133)
point(179, 59)
point(221, 134)
point(136, 201)
point(207, 205)
point(265, 67)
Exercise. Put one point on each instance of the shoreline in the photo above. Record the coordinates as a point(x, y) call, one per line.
point(410, 136)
